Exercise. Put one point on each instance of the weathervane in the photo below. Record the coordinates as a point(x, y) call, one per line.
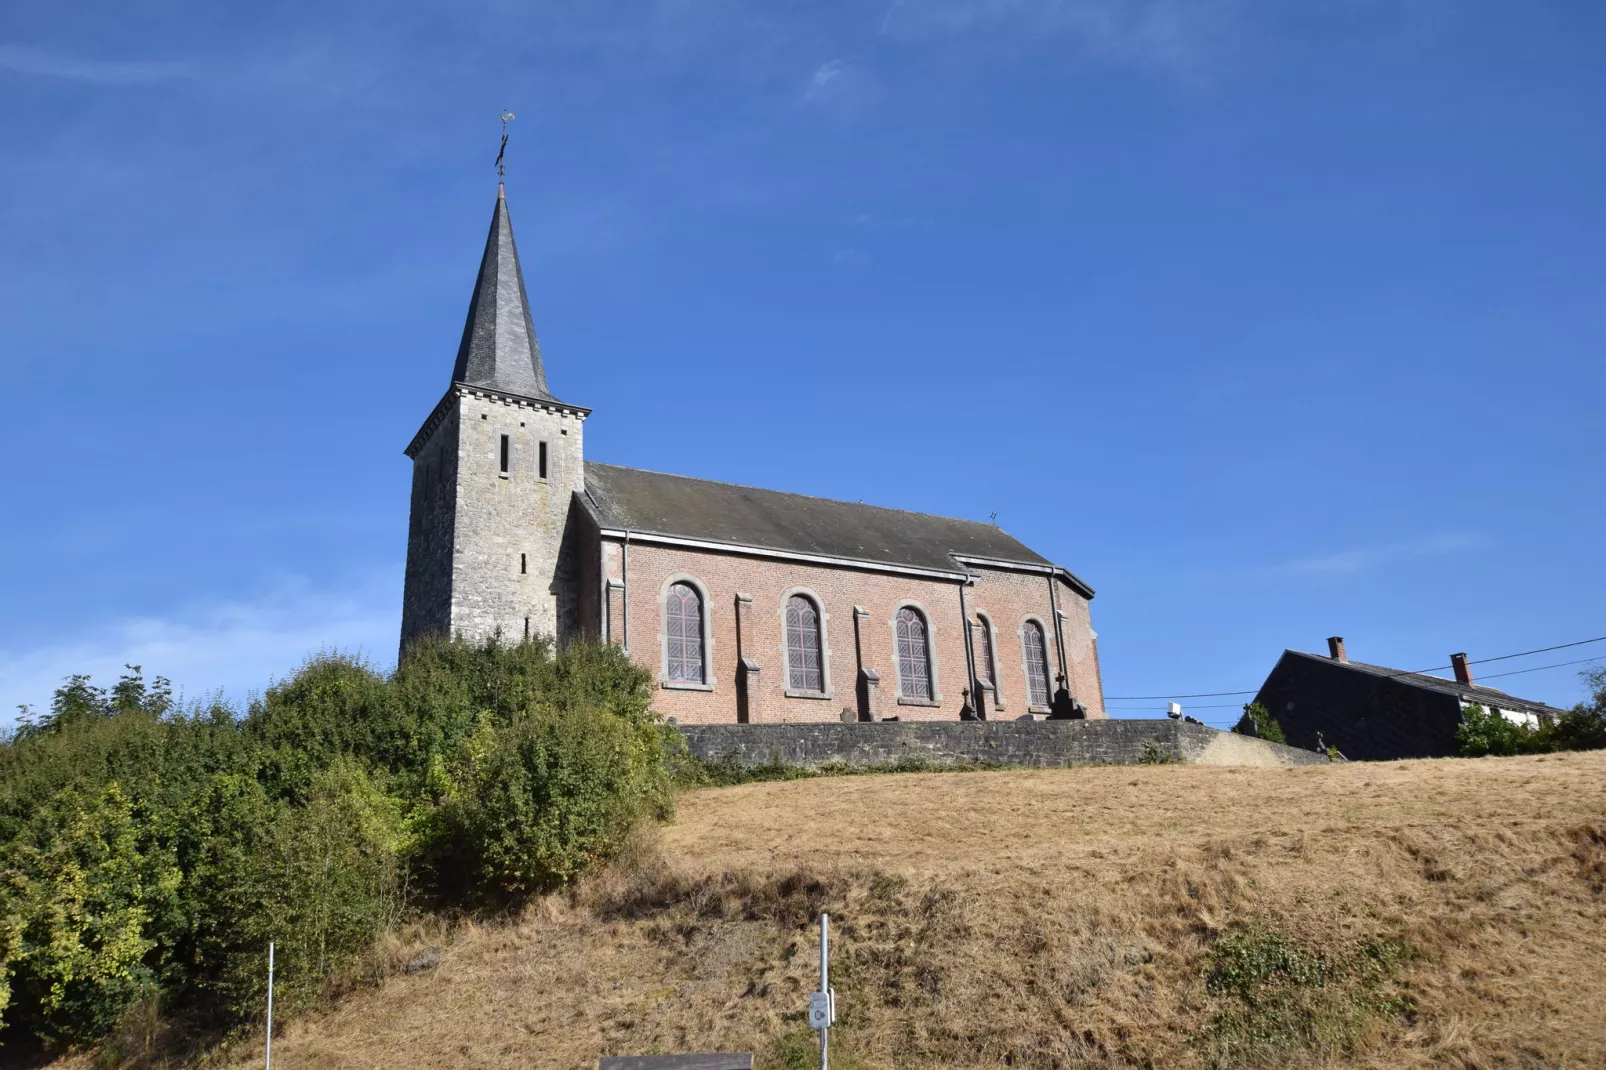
point(501, 169)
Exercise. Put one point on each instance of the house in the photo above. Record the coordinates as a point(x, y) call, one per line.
point(1370, 712)
point(746, 605)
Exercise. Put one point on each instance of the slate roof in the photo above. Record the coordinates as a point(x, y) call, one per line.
point(1484, 696)
point(652, 502)
point(499, 350)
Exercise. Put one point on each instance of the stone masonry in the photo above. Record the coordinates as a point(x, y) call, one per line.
point(1015, 743)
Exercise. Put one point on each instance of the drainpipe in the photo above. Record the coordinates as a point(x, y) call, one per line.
point(970, 652)
point(624, 569)
point(602, 595)
point(1059, 630)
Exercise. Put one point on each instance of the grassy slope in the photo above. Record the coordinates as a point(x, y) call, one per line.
point(1046, 918)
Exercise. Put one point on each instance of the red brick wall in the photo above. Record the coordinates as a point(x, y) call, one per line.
point(1007, 597)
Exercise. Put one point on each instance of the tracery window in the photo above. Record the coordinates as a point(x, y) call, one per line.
point(984, 652)
point(804, 668)
point(914, 655)
point(683, 626)
point(1035, 653)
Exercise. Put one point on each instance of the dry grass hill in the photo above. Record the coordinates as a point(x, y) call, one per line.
point(1443, 913)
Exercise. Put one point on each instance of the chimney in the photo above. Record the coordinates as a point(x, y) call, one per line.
point(1335, 648)
point(1463, 675)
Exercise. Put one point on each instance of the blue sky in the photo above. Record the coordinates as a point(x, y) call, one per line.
point(1271, 320)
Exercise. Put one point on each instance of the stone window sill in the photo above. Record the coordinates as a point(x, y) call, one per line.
point(684, 685)
point(1037, 709)
point(933, 703)
point(822, 695)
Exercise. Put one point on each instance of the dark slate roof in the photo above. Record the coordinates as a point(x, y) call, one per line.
point(499, 350)
point(1485, 696)
point(652, 502)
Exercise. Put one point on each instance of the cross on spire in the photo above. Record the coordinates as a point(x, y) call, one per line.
point(501, 169)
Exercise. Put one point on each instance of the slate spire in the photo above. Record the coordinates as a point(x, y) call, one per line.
point(499, 350)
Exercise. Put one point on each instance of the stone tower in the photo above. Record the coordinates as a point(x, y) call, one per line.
point(495, 467)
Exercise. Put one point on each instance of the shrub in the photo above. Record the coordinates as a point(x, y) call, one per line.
point(1482, 733)
point(149, 854)
point(1153, 755)
point(79, 897)
point(1257, 721)
point(1583, 727)
point(547, 794)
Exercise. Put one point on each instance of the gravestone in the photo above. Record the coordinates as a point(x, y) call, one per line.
point(706, 1061)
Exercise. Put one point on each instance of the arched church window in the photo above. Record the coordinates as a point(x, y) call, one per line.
point(914, 655)
point(984, 651)
point(804, 669)
point(683, 626)
point(1035, 654)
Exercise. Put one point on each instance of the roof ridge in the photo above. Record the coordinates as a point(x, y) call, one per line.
point(795, 494)
point(1406, 674)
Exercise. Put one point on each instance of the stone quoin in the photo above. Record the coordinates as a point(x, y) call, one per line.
point(746, 605)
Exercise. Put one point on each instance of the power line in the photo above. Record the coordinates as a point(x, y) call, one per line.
point(1205, 706)
point(1541, 668)
point(1543, 650)
point(1206, 694)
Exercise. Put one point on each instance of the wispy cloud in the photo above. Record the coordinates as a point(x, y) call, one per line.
point(841, 89)
point(235, 646)
point(1185, 39)
point(40, 63)
point(1362, 559)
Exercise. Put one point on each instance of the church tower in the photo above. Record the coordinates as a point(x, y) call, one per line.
point(495, 467)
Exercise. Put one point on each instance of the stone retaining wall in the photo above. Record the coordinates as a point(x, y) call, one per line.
point(1024, 743)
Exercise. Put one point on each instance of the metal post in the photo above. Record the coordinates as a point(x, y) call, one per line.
point(825, 982)
point(268, 1056)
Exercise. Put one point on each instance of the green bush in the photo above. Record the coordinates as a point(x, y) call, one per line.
point(149, 853)
point(548, 794)
point(80, 897)
point(1257, 721)
point(1482, 733)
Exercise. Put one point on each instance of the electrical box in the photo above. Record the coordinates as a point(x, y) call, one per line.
point(822, 1009)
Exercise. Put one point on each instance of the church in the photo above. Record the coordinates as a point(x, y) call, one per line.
point(745, 605)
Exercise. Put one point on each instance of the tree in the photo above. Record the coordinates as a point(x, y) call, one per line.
point(1584, 726)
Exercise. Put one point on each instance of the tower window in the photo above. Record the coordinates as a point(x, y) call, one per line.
point(540, 461)
point(526, 629)
point(505, 452)
point(523, 564)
